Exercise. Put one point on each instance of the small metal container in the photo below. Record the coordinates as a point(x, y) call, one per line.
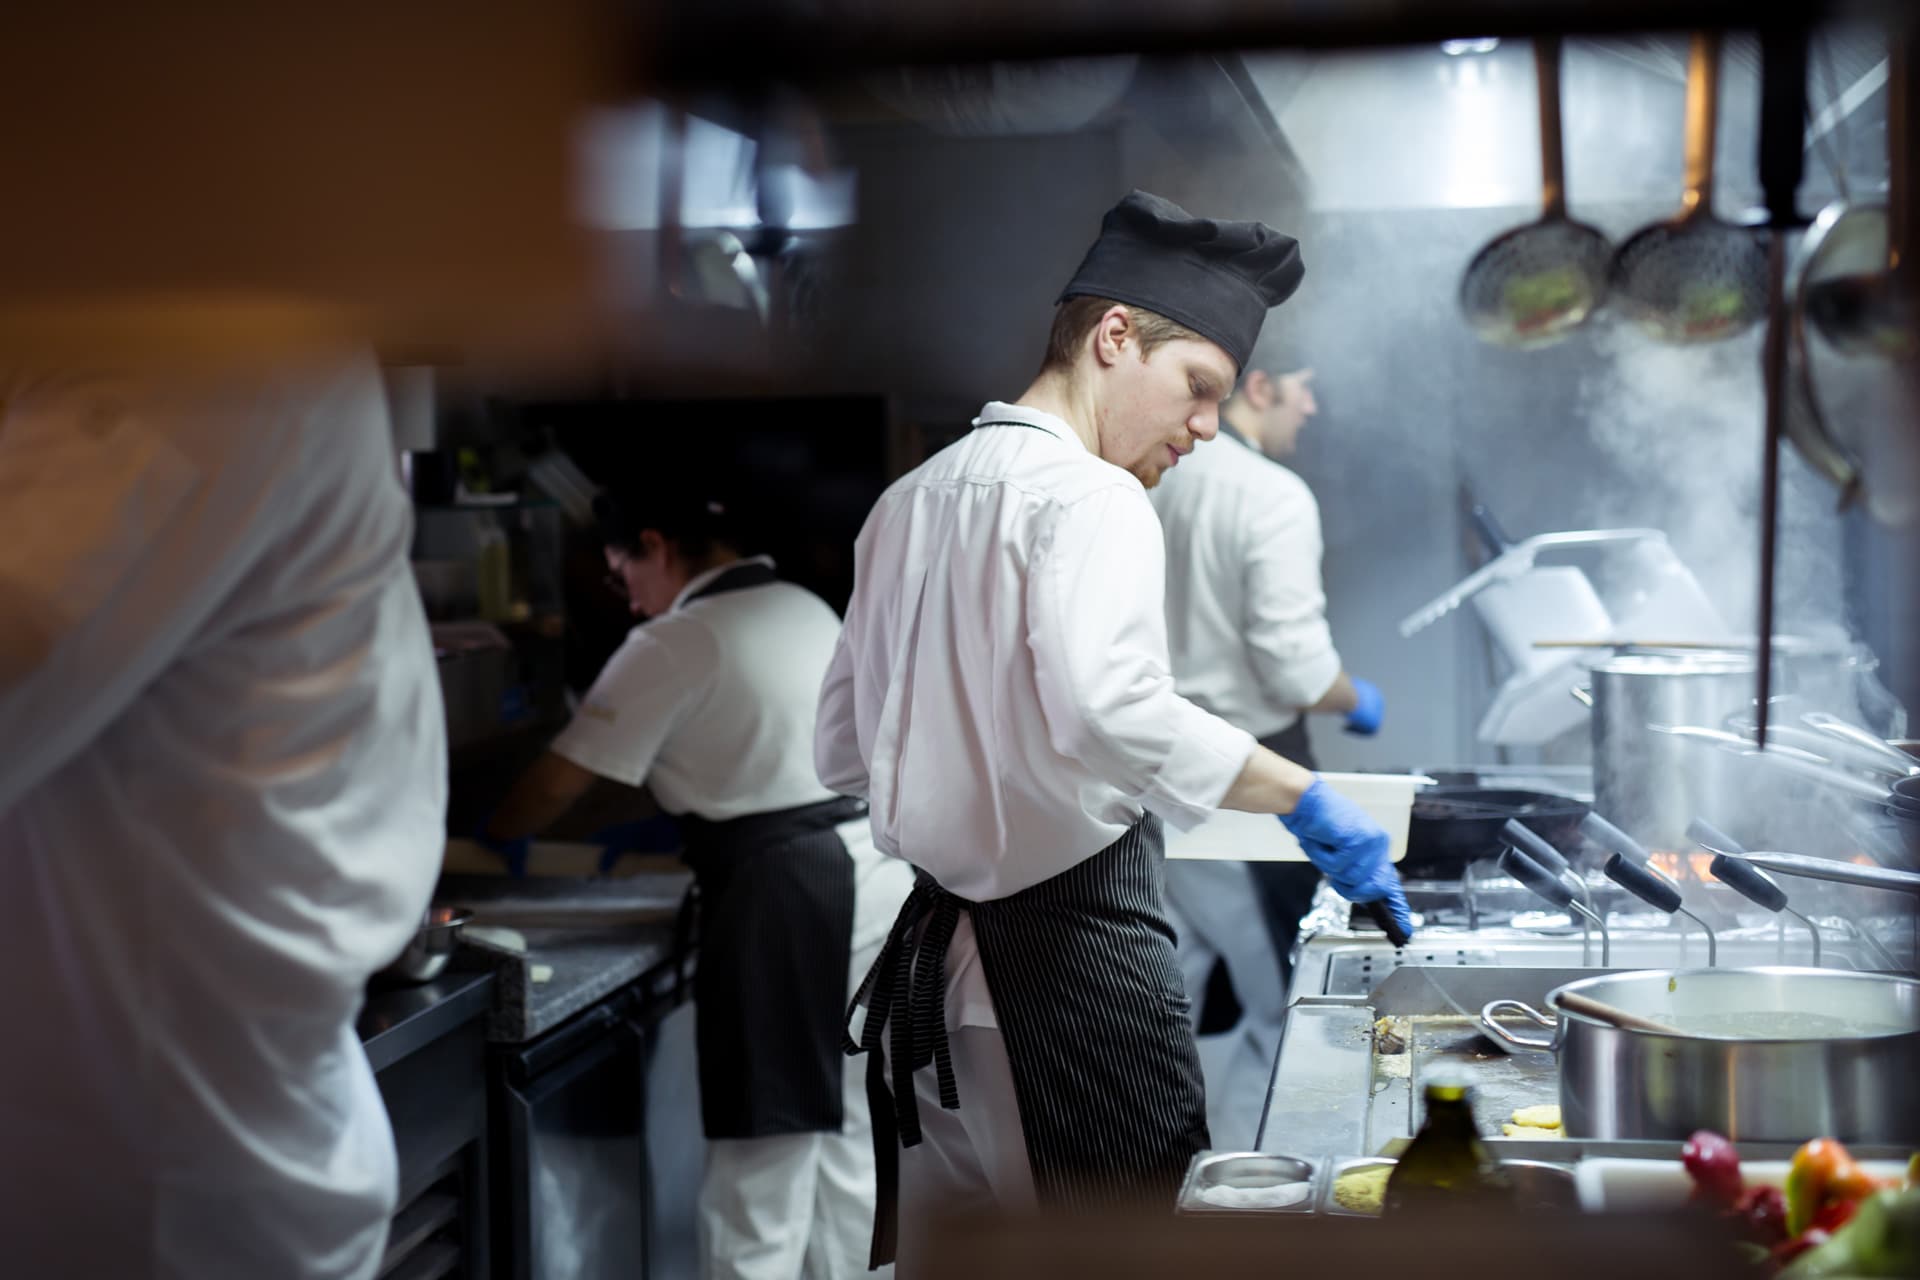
point(1329, 1205)
point(1540, 1186)
point(1246, 1171)
point(430, 948)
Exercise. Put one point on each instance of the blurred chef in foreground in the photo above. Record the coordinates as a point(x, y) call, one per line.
point(222, 797)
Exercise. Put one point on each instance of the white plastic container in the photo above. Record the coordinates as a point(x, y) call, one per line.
point(1258, 837)
point(1608, 1184)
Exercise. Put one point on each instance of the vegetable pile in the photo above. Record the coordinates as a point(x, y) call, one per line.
point(1832, 1219)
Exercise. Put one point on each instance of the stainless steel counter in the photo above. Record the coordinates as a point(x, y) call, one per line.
point(1333, 1092)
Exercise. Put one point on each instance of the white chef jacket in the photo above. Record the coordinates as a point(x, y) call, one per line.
point(1246, 614)
point(1000, 693)
point(222, 806)
point(712, 703)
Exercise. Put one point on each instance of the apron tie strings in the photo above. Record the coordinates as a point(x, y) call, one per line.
point(906, 991)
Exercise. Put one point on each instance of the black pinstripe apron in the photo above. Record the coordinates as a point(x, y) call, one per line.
point(1088, 994)
point(772, 903)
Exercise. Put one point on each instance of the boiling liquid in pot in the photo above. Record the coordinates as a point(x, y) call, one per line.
point(1779, 1026)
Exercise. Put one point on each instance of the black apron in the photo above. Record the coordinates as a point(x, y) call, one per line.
point(1286, 889)
point(772, 904)
point(1088, 994)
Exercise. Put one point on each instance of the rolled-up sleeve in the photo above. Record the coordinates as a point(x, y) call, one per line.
point(1097, 629)
point(1286, 606)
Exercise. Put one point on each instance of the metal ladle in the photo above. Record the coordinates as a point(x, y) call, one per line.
point(1694, 278)
point(1549, 886)
point(1748, 881)
point(1535, 284)
point(1660, 893)
point(1891, 759)
point(1530, 843)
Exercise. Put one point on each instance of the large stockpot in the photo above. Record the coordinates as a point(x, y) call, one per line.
point(1742, 1075)
point(1654, 784)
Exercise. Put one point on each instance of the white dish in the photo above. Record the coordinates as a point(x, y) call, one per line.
point(1611, 1185)
point(1230, 836)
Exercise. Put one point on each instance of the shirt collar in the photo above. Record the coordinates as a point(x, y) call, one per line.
point(1000, 411)
point(1232, 432)
point(702, 579)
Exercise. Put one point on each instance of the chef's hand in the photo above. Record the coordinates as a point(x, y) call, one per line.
point(1369, 708)
point(513, 852)
point(1349, 848)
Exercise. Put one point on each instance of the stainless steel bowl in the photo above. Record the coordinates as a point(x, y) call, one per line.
point(430, 948)
point(1252, 1173)
point(1538, 1185)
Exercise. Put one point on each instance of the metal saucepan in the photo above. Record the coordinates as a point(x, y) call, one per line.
point(1767, 1055)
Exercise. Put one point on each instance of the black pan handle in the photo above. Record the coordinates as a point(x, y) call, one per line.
point(1643, 884)
point(1612, 838)
point(1537, 878)
point(1377, 912)
point(1529, 842)
point(1748, 881)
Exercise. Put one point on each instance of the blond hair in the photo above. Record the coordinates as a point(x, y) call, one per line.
point(1074, 319)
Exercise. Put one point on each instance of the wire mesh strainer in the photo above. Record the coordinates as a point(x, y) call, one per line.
point(1535, 284)
point(1694, 278)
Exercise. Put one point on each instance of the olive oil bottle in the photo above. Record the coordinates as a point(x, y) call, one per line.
point(1446, 1166)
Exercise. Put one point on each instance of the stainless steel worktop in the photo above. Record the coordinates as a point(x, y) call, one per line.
point(1335, 1093)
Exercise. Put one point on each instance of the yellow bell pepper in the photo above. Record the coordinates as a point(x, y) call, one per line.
point(1822, 1173)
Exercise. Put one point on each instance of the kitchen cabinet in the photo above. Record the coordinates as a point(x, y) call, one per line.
point(591, 1179)
point(427, 1047)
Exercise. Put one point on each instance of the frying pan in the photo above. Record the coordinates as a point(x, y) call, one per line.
point(1453, 826)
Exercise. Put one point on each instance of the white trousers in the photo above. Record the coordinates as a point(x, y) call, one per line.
point(801, 1204)
point(968, 1161)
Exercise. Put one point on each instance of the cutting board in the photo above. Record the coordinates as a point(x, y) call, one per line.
point(1258, 837)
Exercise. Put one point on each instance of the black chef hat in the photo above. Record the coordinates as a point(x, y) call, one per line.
point(692, 516)
point(1217, 278)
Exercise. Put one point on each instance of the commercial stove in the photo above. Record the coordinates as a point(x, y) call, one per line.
point(1483, 918)
point(1481, 936)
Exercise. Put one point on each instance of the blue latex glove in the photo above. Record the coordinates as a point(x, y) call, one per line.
point(512, 852)
point(658, 834)
point(1349, 848)
point(1366, 715)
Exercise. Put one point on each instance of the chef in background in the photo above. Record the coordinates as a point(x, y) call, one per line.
point(1247, 633)
point(222, 794)
point(711, 703)
point(1001, 693)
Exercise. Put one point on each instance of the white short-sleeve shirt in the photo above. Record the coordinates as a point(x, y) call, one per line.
point(712, 704)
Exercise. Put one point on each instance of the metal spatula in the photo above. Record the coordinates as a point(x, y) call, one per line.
point(1535, 284)
point(1694, 278)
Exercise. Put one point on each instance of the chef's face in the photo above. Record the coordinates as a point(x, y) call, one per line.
point(645, 574)
point(1160, 405)
point(1290, 404)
